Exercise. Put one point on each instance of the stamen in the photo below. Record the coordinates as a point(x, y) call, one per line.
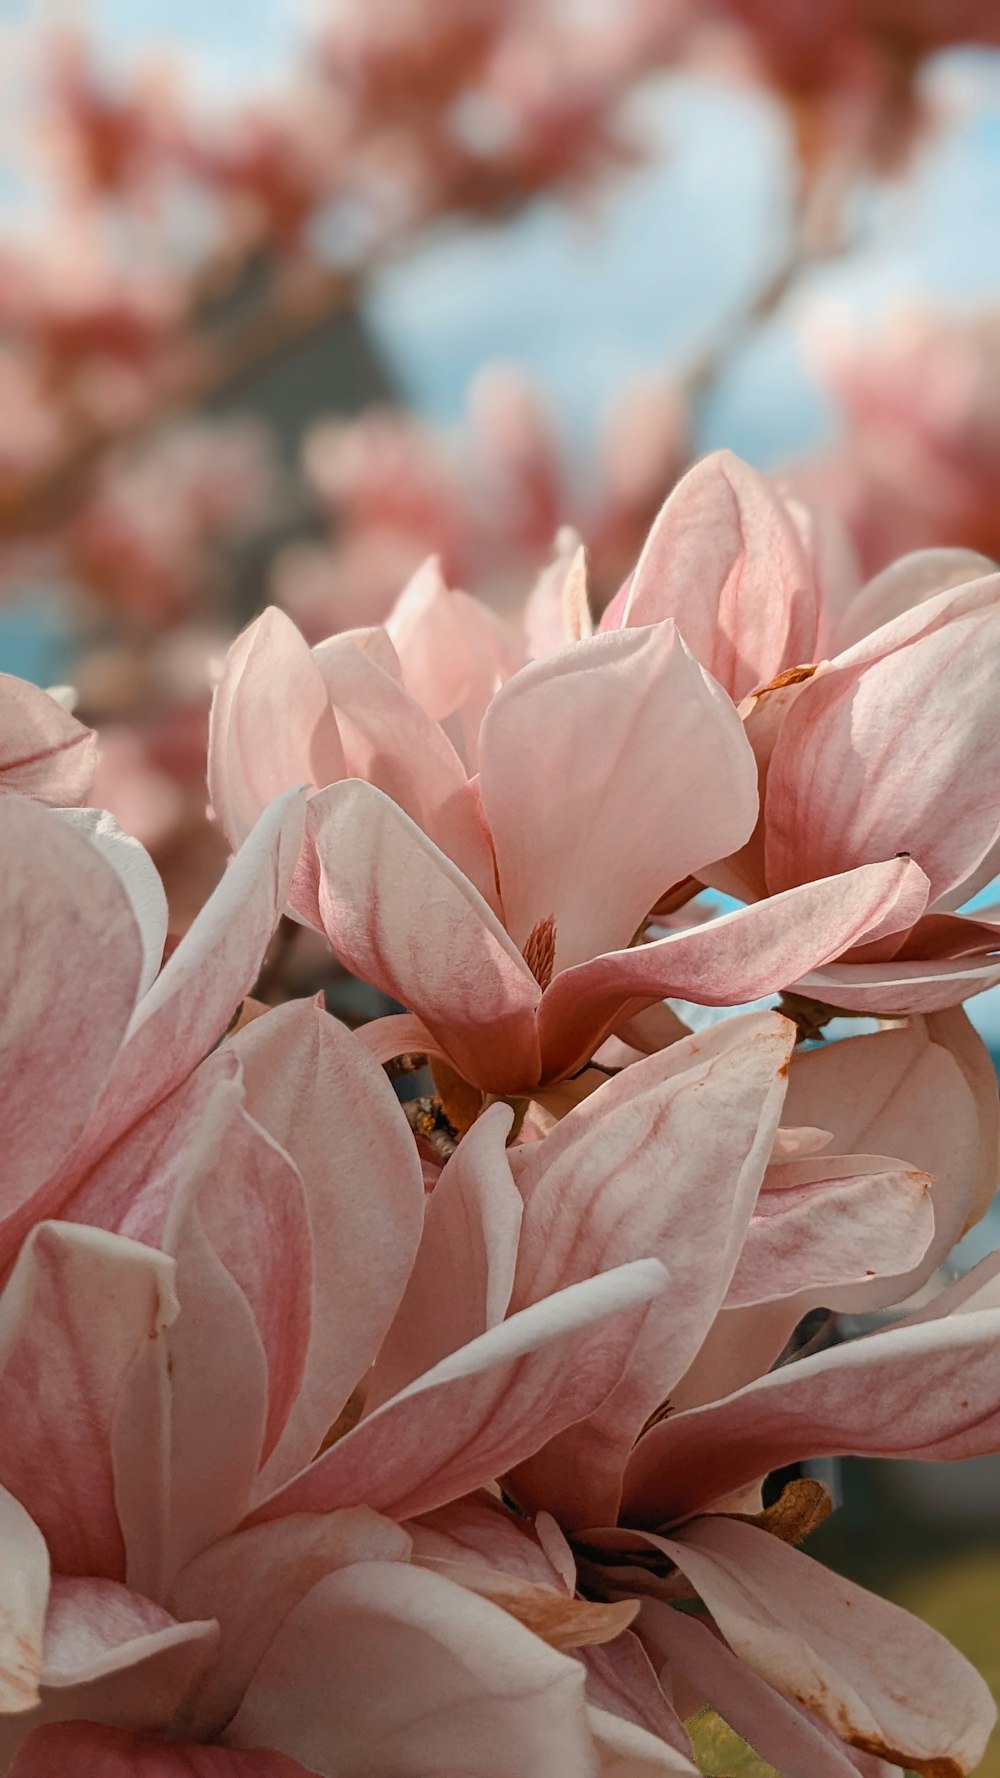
point(539, 952)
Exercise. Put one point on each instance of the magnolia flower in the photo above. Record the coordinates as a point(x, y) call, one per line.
point(203, 1292)
point(658, 1489)
point(837, 752)
point(836, 744)
point(500, 911)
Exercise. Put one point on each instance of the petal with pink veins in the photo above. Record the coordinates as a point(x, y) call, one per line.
point(926, 1091)
point(315, 1089)
point(485, 1408)
point(217, 962)
point(723, 559)
point(826, 1224)
point(44, 752)
point(78, 1310)
point(415, 1675)
point(892, 748)
point(739, 957)
point(271, 724)
point(597, 836)
point(666, 1160)
point(66, 923)
point(112, 1656)
point(882, 1680)
point(400, 915)
point(897, 987)
point(930, 1390)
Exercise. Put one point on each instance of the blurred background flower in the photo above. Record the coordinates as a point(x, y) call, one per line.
point(293, 297)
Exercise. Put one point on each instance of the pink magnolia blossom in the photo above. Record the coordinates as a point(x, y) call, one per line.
point(201, 1297)
point(501, 910)
point(682, 1155)
point(837, 754)
point(726, 561)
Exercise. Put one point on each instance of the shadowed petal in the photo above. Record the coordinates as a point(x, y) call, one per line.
point(882, 1680)
point(416, 1675)
point(399, 914)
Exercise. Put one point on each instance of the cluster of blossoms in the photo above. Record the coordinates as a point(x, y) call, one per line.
point(348, 1442)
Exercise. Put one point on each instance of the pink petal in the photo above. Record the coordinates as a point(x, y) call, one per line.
point(454, 653)
point(26, 1592)
point(77, 1311)
point(893, 748)
point(115, 1753)
point(479, 1533)
point(773, 1726)
point(833, 560)
point(71, 965)
point(251, 1581)
point(741, 1345)
point(628, 1751)
point(400, 915)
point(926, 1091)
point(595, 838)
point(897, 987)
point(909, 581)
point(462, 1279)
point(824, 1224)
point(724, 561)
point(882, 1680)
point(317, 1092)
point(557, 609)
point(666, 1160)
point(215, 965)
point(96, 1629)
point(112, 1657)
point(271, 725)
point(192, 1420)
point(199, 1179)
point(390, 741)
point(736, 958)
point(44, 752)
point(138, 876)
point(621, 1679)
point(392, 1672)
point(930, 1390)
point(485, 1408)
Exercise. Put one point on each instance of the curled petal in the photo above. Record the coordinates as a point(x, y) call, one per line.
point(271, 725)
point(724, 561)
point(400, 915)
point(739, 957)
